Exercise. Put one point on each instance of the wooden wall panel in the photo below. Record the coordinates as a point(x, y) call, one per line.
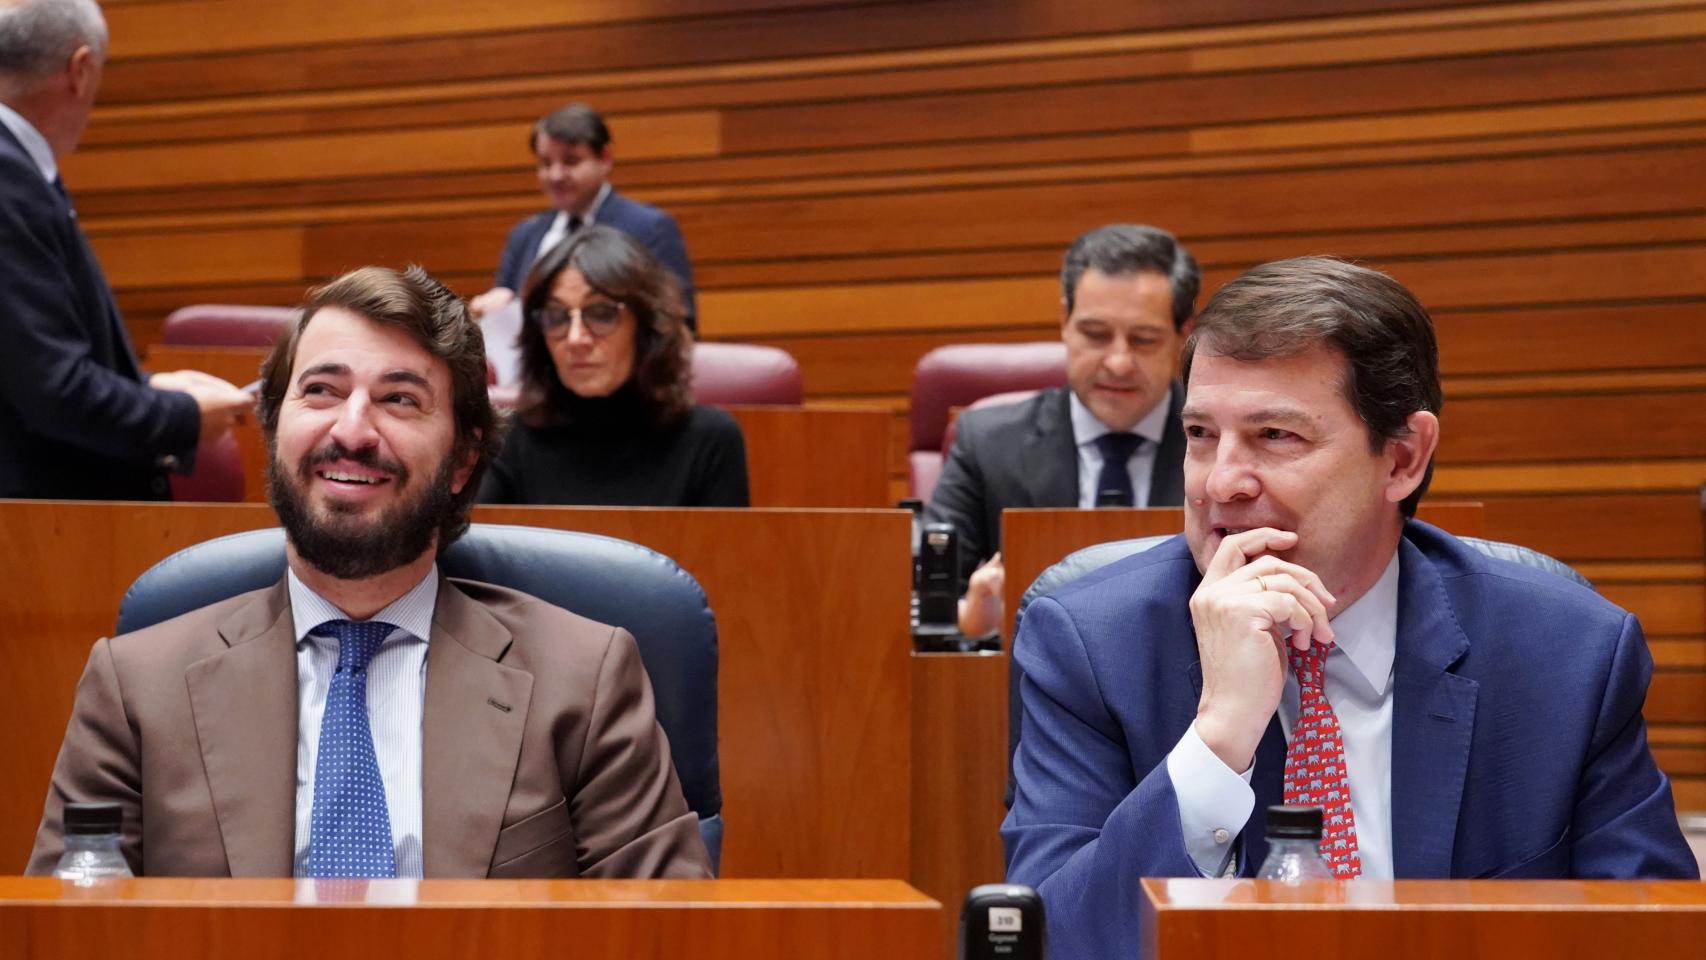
point(859, 182)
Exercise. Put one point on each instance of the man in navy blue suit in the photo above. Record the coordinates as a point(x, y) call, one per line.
point(78, 420)
point(572, 147)
point(1490, 713)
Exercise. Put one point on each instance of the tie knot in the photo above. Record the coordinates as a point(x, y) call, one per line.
point(1310, 665)
point(357, 642)
point(576, 221)
point(1118, 446)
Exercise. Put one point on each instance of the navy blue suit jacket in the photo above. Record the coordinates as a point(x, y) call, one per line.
point(77, 420)
point(1518, 745)
point(642, 221)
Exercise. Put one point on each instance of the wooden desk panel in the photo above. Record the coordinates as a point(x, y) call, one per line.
point(806, 456)
point(815, 715)
point(1461, 919)
point(156, 919)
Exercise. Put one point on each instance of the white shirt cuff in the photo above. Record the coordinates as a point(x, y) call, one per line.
point(1214, 802)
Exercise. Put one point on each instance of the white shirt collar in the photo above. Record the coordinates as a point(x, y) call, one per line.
point(411, 612)
point(1367, 630)
point(560, 224)
point(34, 143)
point(1087, 429)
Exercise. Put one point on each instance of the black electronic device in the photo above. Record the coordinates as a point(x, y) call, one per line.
point(1002, 921)
point(938, 575)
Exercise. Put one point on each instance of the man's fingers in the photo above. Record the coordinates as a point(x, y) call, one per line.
point(1296, 606)
point(1236, 550)
point(1270, 566)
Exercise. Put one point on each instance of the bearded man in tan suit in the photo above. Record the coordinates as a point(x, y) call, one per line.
point(503, 736)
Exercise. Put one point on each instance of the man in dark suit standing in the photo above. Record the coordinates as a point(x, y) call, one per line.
point(572, 147)
point(1110, 438)
point(78, 419)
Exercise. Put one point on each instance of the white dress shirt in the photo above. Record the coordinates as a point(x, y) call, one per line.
point(560, 224)
point(1215, 802)
point(1086, 430)
point(34, 143)
point(396, 696)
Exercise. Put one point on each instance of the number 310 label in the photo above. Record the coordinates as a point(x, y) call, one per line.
point(1005, 920)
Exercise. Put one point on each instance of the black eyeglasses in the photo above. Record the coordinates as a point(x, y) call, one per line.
point(599, 319)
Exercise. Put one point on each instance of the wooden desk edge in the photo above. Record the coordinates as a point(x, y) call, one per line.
point(514, 894)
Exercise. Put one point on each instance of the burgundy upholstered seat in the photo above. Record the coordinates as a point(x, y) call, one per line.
point(959, 376)
point(745, 373)
point(225, 325)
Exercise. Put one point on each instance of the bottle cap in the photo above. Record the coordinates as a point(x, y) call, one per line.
point(1294, 823)
point(93, 818)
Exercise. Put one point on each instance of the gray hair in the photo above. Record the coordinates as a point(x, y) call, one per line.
point(36, 37)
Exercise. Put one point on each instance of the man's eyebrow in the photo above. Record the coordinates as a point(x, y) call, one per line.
point(406, 376)
point(324, 369)
point(1267, 415)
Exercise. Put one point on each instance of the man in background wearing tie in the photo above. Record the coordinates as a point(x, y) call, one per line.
point(1307, 642)
point(77, 418)
point(1110, 438)
point(572, 148)
point(367, 716)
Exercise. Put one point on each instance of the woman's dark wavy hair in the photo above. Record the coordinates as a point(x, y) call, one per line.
point(619, 267)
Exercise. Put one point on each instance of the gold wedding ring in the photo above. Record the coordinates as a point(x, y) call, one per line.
point(1262, 584)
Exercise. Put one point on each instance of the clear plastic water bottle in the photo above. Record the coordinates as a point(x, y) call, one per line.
point(1294, 846)
point(92, 832)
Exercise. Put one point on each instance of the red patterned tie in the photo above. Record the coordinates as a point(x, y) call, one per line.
point(1315, 764)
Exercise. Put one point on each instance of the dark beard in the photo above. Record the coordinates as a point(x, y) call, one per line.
point(350, 550)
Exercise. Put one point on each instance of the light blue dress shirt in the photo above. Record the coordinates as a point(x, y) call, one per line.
point(396, 699)
point(1216, 802)
point(1086, 430)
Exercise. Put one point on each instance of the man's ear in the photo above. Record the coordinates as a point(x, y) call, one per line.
point(470, 457)
point(82, 72)
point(1411, 454)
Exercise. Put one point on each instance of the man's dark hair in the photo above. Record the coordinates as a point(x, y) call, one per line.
point(622, 269)
point(1122, 249)
point(1289, 307)
point(571, 124)
point(437, 320)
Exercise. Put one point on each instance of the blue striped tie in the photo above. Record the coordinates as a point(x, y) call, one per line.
point(349, 833)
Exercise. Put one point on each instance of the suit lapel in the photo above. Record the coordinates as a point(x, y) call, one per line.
point(1167, 478)
point(1050, 456)
point(1433, 719)
point(244, 704)
point(471, 731)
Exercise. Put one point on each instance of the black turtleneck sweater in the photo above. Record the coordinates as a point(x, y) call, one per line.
point(609, 454)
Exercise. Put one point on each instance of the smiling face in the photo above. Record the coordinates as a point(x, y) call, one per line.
point(1121, 346)
point(589, 365)
point(362, 470)
point(1275, 443)
point(570, 173)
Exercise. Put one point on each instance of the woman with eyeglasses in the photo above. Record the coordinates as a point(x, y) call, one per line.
point(606, 415)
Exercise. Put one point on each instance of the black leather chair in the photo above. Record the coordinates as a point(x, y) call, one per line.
point(611, 581)
point(1081, 562)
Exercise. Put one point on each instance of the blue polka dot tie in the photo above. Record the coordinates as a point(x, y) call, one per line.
point(349, 833)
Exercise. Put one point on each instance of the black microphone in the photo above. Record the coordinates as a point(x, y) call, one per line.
point(1002, 920)
point(1113, 498)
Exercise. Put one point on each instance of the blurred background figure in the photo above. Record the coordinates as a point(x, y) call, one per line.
point(572, 147)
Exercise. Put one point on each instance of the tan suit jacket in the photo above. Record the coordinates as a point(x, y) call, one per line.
point(541, 752)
